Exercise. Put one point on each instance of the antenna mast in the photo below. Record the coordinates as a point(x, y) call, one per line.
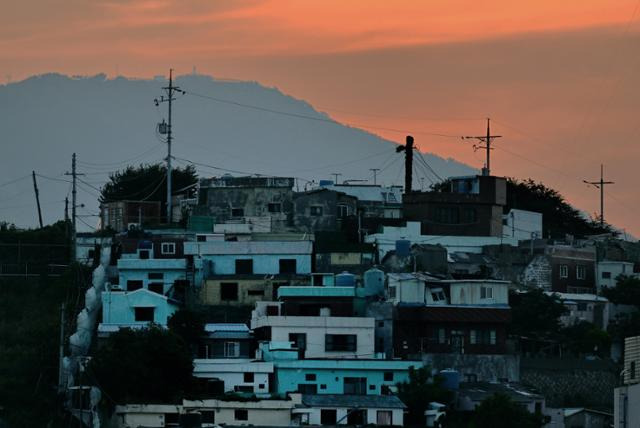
point(486, 139)
point(600, 185)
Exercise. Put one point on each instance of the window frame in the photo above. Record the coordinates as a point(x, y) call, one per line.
point(564, 271)
point(227, 285)
point(349, 343)
point(227, 346)
point(581, 272)
point(141, 309)
point(241, 415)
point(316, 211)
point(167, 248)
point(243, 266)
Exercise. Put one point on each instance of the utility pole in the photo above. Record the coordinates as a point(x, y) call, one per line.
point(336, 175)
point(408, 163)
point(61, 387)
point(74, 204)
point(375, 173)
point(165, 128)
point(35, 189)
point(486, 139)
point(600, 185)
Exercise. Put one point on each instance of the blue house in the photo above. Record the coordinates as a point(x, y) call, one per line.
point(333, 376)
point(134, 309)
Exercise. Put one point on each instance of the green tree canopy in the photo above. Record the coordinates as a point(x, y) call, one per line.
point(146, 183)
point(585, 338)
point(418, 392)
point(142, 366)
point(558, 216)
point(535, 314)
point(626, 292)
point(499, 411)
point(187, 324)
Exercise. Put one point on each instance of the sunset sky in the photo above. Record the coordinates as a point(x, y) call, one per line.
point(558, 78)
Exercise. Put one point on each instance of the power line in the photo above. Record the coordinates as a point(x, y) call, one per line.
point(138, 156)
point(15, 180)
point(317, 119)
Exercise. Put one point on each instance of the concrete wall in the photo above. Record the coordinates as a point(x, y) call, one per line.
point(522, 225)
point(397, 416)
point(289, 376)
point(317, 327)
point(232, 373)
point(485, 367)
point(262, 264)
point(538, 273)
point(612, 269)
point(210, 292)
point(626, 411)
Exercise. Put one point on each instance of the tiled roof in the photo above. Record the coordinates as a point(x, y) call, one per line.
point(353, 401)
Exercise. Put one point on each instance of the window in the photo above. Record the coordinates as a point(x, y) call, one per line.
point(469, 215)
point(171, 419)
point(274, 207)
point(261, 386)
point(228, 291)
point(492, 337)
point(384, 417)
point(307, 388)
point(255, 292)
point(581, 272)
point(355, 385)
point(380, 324)
point(582, 307)
point(473, 337)
point(328, 417)
point(232, 350)
point(437, 296)
point(343, 211)
point(441, 336)
point(482, 337)
point(317, 281)
point(310, 377)
point(248, 377)
point(606, 275)
point(201, 238)
point(447, 215)
point(143, 254)
point(241, 415)
point(144, 314)
point(632, 370)
point(315, 210)
point(168, 248)
point(340, 342)
point(244, 267)
point(155, 275)
point(388, 376)
point(486, 293)
point(323, 386)
point(564, 271)
point(372, 387)
point(133, 285)
point(208, 416)
point(237, 212)
point(288, 266)
point(156, 287)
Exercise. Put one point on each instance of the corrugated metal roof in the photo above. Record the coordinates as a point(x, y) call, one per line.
point(216, 327)
point(353, 401)
point(248, 247)
point(370, 193)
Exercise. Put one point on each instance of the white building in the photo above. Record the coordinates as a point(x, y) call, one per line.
point(87, 244)
point(608, 270)
point(584, 307)
point(325, 336)
point(522, 225)
point(354, 410)
point(238, 375)
point(386, 240)
point(626, 401)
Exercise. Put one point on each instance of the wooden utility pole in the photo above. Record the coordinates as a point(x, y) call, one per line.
point(600, 185)
point(408, 163)
point(35, 189)
point(74, 204)
point(486, 139)
point(165, 128)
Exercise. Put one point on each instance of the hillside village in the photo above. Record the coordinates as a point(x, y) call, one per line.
point(322, 306)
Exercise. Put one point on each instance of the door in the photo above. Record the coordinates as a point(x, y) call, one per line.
point(457, 341)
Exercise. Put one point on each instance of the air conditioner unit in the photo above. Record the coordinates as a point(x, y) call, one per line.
point(133, 226)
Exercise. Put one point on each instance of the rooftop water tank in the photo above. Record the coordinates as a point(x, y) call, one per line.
point(403, 248)
point(345, 279)
point(450, 379)
point(373, 282)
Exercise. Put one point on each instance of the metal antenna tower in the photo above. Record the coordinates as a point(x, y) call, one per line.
point(486, 139)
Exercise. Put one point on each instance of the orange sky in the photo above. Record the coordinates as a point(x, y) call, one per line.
point(556, 76)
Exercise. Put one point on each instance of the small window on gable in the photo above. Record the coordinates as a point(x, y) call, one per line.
point(144, 314)
point(343, 211)
point(248, 377)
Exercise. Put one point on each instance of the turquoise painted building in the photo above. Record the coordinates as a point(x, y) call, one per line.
point(333, 376)
point(158, 275)
point(135, 309)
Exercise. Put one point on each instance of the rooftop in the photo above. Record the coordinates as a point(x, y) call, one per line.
point(479, 391)
point(248, 247)
point(308, 291)
point(353, 401)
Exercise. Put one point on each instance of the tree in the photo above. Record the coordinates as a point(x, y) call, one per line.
point(626, 291)
point(559, 218)
point(499, 411)
point(152, 365)
point(535, 314)
point(585, 338)
point(419, 391)
point(187, 324)
point(146, 183)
